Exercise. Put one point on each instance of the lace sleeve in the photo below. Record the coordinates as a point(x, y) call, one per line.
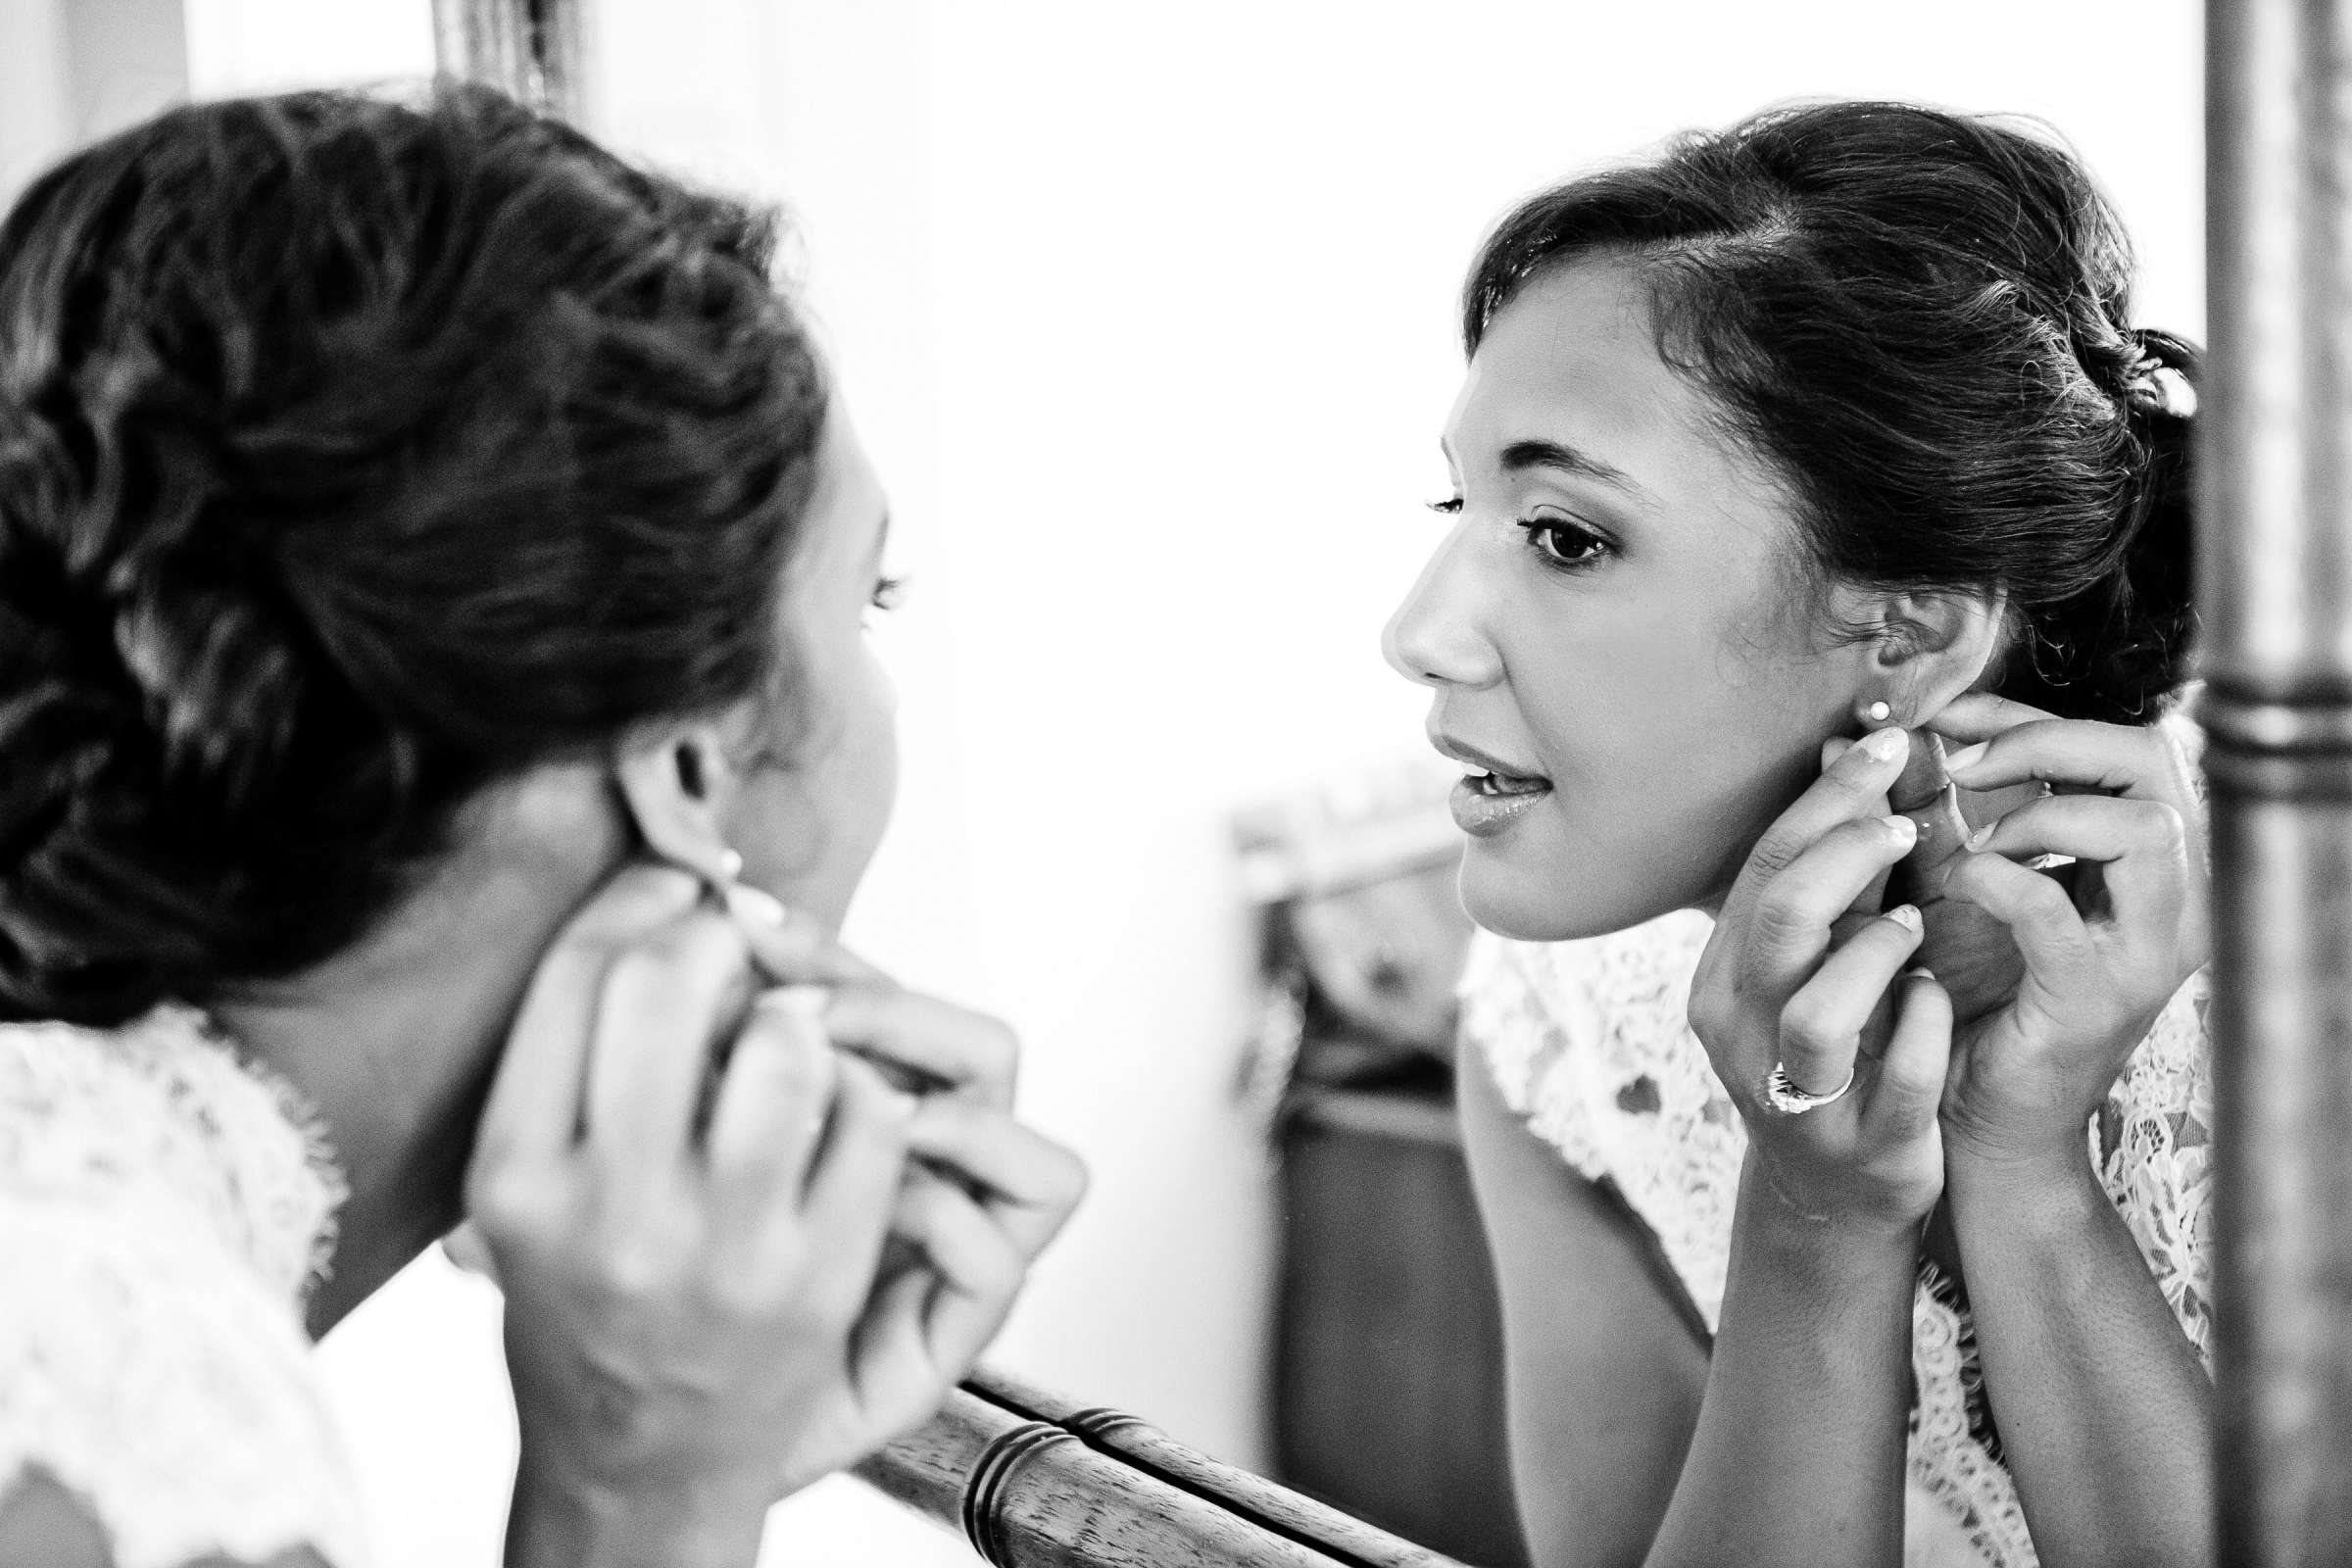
point(1589, 1041)
point(2153, 1146)
point(161, 1207)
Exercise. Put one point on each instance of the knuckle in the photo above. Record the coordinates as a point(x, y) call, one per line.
point(514, 1202)
point(2163, 828)
point(1808, 1029)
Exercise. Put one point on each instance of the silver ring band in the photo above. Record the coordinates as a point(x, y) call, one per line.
point(1782, 1094)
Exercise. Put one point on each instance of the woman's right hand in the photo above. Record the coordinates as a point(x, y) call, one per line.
point(1799, 973)
point(693, 1322)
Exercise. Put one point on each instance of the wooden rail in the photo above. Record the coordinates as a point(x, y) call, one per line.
point(1034, 1481)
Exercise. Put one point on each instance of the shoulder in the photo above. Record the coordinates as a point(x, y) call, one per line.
point(163, 1109)
point(152, 1358)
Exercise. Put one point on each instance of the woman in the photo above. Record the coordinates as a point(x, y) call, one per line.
point(1832, 424)
point(434, 702)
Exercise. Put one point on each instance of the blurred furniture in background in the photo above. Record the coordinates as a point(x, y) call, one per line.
point(1388, 1378)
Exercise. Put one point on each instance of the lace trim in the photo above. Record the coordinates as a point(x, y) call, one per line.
point(1589, 1042)
point(164, 1207)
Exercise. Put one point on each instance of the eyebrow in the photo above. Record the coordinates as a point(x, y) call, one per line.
point(1521, 456)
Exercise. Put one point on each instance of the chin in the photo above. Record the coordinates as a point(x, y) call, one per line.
point(1533, 897)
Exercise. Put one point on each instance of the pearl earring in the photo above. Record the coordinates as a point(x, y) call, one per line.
point(752, 906)
point(1878, 713)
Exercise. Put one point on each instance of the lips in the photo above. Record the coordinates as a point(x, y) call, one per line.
point(1492, 792)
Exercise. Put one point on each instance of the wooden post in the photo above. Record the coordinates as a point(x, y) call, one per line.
point(2275, 594)
point(527, 49)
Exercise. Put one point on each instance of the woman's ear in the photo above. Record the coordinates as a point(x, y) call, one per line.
point(678, 781)
point(1936, 646)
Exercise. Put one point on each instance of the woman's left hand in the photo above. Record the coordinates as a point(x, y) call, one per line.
point(2105, 943)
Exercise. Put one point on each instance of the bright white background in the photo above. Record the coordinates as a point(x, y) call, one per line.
point(1146, 312)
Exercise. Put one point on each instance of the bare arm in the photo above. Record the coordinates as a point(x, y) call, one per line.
point(1798, 1457)
point(1603, 1371)
point(2104, 1412)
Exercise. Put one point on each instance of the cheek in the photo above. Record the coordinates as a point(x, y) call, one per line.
point(808, 829)
point(1671, 752)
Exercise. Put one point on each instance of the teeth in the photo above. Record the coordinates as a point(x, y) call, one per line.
point(1478, 773)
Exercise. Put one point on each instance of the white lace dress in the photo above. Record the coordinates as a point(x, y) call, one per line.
point(164, 1209)
point(1587, 1041)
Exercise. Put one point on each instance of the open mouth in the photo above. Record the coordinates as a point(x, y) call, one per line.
point(1486, 781)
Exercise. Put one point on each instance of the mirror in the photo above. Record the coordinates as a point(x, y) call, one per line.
point(1147, 315)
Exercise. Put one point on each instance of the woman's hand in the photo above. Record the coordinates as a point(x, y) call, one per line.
point(1798, 974)
point(982, 1190)
point(2105, 942)
point(690, 1261)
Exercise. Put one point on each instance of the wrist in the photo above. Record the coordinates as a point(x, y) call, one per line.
point(2033, 1178)
point(1779, 1223)
point(671, 1523)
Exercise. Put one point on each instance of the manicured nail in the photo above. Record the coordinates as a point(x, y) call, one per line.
point(1965, 757)
point(1905, 832)
point(754, 906)
point(1919, 971)
point(807, 1003)
point(1982, 836)
point(1885, 745)
point(1905, 915)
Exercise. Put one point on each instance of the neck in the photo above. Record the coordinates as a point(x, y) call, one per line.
point(394, 1041)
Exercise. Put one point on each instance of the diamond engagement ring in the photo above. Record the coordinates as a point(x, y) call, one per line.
point(1782, 1094)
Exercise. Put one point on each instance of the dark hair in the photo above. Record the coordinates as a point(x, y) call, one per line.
point(353, 455)
point(1923, 322)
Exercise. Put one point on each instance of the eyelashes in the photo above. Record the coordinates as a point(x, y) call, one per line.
point(888, 595)
point(1563, 545)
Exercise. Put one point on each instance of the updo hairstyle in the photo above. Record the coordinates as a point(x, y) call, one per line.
point(1923, 323)
point(353, 455)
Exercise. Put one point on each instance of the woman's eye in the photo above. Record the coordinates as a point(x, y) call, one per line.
point(1449, 505)
point(889, 594)
point(1565, 544)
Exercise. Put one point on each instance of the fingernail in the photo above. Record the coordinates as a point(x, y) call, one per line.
point(1982, 836)
point(1885, 745)
point(1919, 971)
point(752, 907)
point(807, 1003)
point(1965, 757)
point(1905, 832)
point(1905, 915)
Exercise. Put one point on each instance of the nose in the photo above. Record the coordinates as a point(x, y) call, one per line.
point(1436, 637)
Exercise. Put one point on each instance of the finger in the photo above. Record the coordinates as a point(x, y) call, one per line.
point(1028, 1183)
point(769, 1114)
point(535, 1101)
point(1980, 716)
point(1908, 1089)
point(794, 947)
point(1853, 786)
point(943, 1045)
point(890, 1354)
point(853, 1180)
point(663, 1004)
point(2141, 846)
point(2114, 759)
point(2041, 919)
point(978, 1270)
point(1792, 917)
point(1820, 1027)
